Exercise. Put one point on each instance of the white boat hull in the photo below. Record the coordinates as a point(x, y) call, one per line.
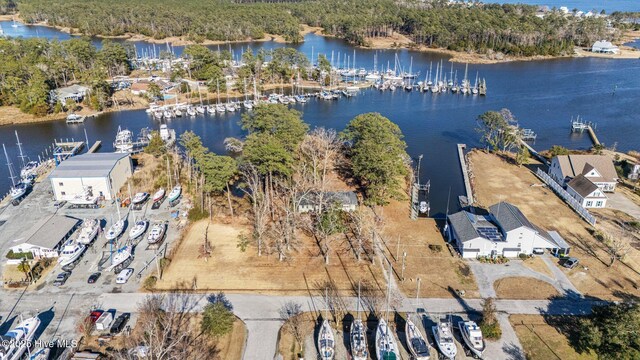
point(138, 229)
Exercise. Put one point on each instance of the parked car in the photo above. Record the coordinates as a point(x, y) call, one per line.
point(61, 278)
point(94, 315)
point(59, 204)
point(93, 278)
point(120, 323)
point(570, 263)
point(124, 275)
point(538, 251)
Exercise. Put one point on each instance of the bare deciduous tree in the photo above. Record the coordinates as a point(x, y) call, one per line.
point(254, 188)
point(617, 246)
point(291, 314)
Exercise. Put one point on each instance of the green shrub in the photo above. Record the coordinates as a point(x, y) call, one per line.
point(197, 213)
point(491, 331)
point(19, 255)
point(435, 247)
point(150, 282)
point(523, 256)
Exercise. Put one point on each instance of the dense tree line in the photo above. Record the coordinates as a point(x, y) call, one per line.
point(30, 68)
point(511, 29)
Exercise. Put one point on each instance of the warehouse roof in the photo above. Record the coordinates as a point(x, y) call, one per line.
point(50, 231)
point(88, 165)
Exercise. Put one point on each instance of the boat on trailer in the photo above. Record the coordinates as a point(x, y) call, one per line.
point(472, 336)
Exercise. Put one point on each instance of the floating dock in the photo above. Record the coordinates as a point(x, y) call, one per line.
point(66, 149)
point(465, 173)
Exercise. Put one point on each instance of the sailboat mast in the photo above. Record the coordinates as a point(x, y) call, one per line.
point(388, 294)
point(11, 176)
point(22, 156)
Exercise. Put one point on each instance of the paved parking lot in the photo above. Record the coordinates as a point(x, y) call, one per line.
point(76, 296)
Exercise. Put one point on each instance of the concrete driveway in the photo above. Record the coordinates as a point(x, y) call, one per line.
point(620, 202)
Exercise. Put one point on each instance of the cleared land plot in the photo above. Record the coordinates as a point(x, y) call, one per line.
point(441, 273)
point(495, 179)
point(232, 270)
point(523, 288)
point(542, 341)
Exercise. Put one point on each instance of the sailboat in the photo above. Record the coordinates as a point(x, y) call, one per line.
point(14, 24)
point(326, 340)
point(358, 335)
point(115, 230)
point(140, 198)
point(386, 346)
point(416, 342)
point(120, 256)
point(88, 231)
point(472, 336)
point(443, 336)
point(71, 252)
point(15, 342)
point(200, 108)
point(157, 233)
point(219, 107)
point(28, 169)
point(159, 195)
point(138, 229)
point(18, 190)
point(175, 193)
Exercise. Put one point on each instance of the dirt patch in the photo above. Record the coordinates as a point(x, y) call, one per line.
point(288, 347)
point(542, 341)
point(538, 265)
point(441, 272)
point(232, 270)
point(495, 179)
point(231, 345)
point(524, 288)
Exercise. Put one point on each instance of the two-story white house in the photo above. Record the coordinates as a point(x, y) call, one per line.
point(503, 230)
point(586, 177)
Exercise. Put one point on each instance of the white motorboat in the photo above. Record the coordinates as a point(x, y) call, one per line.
point(472, 336)
point(14, 343)
point(157, 233)
point(424, 207)
point(138, 229)
point(191, 111)
point(220, 108)
point(386, 346)
point(140, 198)
point(230, 107)
point(71, 252)
point(120, 256)
point(326, 341)
point(443, 336)
point(200, 109)
point(84, 198)
point(124, 141)
point(159, 195)
point(167, 135)
point(167, 114)
point(88, 231)
point(178, 112)
point(115, 230)
point(416, 342)
point(358, 337)
point(29, 169)
point(175, 193)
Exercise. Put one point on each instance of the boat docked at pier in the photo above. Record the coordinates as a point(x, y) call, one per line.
point(167, 135)
point(14, 343)
point(18, 189)
point(157, 233)
point(443, 336)
point(472, 336)
point(71, 252)
point(124, 141)
point(88, 231)
point(416, 342)
point(326, 341)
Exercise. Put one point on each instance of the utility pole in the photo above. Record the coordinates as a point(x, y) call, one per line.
point(398, 249)
point(404, 257)
point(418, 292)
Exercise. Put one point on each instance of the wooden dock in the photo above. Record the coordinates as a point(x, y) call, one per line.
point(592, 135)
point(465, 173)
point(536, 154)
point(95, 146)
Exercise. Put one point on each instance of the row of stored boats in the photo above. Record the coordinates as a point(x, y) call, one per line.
point(387, 347)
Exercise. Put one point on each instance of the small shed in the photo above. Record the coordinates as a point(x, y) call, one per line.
point(563, 247)
point(604, 47)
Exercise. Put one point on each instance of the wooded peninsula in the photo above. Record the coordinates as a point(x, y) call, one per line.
point(514, 30)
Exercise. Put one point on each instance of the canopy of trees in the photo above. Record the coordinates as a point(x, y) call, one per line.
point(612, 331)
point(511, 29)
point(30, 68)
point(378, 156)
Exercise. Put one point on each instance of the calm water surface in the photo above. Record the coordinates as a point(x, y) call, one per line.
point(583, 5)
point(544, 95)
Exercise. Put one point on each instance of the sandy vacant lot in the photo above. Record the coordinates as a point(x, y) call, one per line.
point(494, 179)
point(229, 269)
point(542, 341)
point(523, 288)
point(441, 272)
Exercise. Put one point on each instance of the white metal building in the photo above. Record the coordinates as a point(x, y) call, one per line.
point(48, 236)
point(101, 173)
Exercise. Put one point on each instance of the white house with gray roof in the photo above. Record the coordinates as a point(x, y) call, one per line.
point(585, 177)
point(504, 230)
point(101, 173)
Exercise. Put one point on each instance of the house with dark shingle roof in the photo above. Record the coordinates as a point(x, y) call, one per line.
point(503, 230)
point(585, 177)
